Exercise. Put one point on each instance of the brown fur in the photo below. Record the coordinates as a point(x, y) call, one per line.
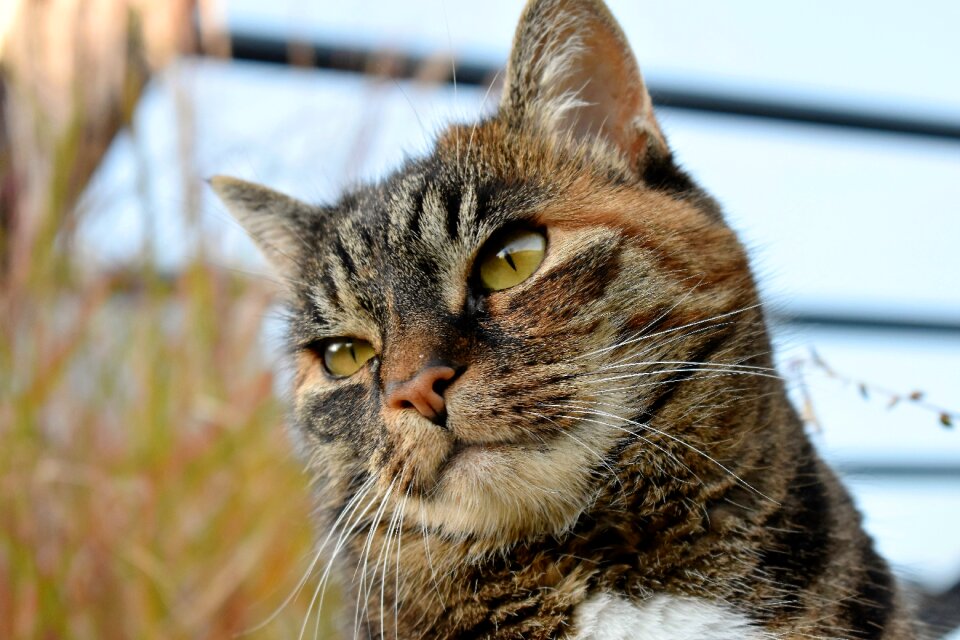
point(615, 425)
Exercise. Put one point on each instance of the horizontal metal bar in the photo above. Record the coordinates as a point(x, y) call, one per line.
point(873, 323)
point(250, 47)
point(898, 470)
point(358, 60)
point(806, 114)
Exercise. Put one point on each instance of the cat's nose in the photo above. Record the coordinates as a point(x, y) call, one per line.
point(423, 392)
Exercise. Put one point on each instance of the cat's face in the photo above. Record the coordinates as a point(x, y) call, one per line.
point(550, 370)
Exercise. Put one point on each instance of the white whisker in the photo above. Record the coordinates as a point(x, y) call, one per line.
point(600, 457)
point(362, 591)
point(686, 444)
point(384, 557)
point(646, 363)
point(698, 369)
point(430, 565)
point(657, 446)
point(345, 532)
point(396, 587)
point(666, 331)
point(662, 344)
point(313, 563)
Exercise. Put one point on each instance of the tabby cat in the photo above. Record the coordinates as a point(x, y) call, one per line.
point(534, 384)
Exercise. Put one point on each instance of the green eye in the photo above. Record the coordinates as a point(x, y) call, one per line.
point(512, 259)
point(344, 356)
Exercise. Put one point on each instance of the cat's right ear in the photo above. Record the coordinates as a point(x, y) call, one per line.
point(572, 74)
point(272, 219)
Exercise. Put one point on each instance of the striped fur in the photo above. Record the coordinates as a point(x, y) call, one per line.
point(616, 427)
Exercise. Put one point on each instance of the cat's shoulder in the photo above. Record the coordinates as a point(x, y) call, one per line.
point(607, 616)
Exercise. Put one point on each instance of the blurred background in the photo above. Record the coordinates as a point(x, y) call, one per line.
point(147, 486)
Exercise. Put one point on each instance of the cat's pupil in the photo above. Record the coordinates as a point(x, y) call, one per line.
point(505, 254)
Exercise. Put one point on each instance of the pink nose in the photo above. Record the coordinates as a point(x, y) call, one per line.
point(423, 392)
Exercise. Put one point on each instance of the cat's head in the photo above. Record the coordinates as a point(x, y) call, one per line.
point(494, 333)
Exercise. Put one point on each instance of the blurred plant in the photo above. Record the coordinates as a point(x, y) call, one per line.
point(147, 489)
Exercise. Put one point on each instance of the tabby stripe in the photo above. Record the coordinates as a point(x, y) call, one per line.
point(335, 414)
point(865, 615)
point(674, 382)
point(799, 551)
point(645, 323)
point(366, 239)
point(416, 209)
point(488, 626)
point(346, 260)
point(329, 286)
point(452, 201)
point(662, 174)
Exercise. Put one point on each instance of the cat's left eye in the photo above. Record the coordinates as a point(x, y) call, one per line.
point(511, 259)
point(343, 357)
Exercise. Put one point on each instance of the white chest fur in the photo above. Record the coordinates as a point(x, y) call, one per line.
point(662, 617)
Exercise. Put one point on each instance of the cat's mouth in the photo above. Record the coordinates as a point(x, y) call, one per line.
point(486, 454)
point(462, 448)
point(507, 489)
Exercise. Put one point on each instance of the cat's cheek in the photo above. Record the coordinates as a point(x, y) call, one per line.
point(309, 376)
point(332, 465)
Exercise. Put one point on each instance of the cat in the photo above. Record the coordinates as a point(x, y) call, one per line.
point(534, 383)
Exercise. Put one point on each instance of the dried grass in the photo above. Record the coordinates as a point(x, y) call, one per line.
point(147, 489)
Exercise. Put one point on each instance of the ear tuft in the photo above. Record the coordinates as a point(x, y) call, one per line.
point(572, 73)
point(276, 222)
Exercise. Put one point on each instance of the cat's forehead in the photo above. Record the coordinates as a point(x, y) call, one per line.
point(439, 200)
point(409, 241)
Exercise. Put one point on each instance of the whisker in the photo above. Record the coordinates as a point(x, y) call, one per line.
point(483, 103)
point(453, 69)
point(696, 450)
point(430, 565)
point(639, 363)
point(667, 331)
point(657, 320)
point(365, 558)
point(698, 369)
point(657, 446)
point(600, 457)
point(396, 587)
point(663, 383)
point(385, 558)
point(681, 337)
point(345, 532)
point(313, 563)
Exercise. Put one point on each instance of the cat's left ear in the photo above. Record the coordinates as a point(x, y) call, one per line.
point(572, 72)
point(276, 222)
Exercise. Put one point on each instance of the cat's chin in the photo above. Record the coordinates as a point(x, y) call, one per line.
point(503, 493)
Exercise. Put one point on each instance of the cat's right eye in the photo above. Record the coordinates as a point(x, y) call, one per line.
point(343, 357)
point(511, 259)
